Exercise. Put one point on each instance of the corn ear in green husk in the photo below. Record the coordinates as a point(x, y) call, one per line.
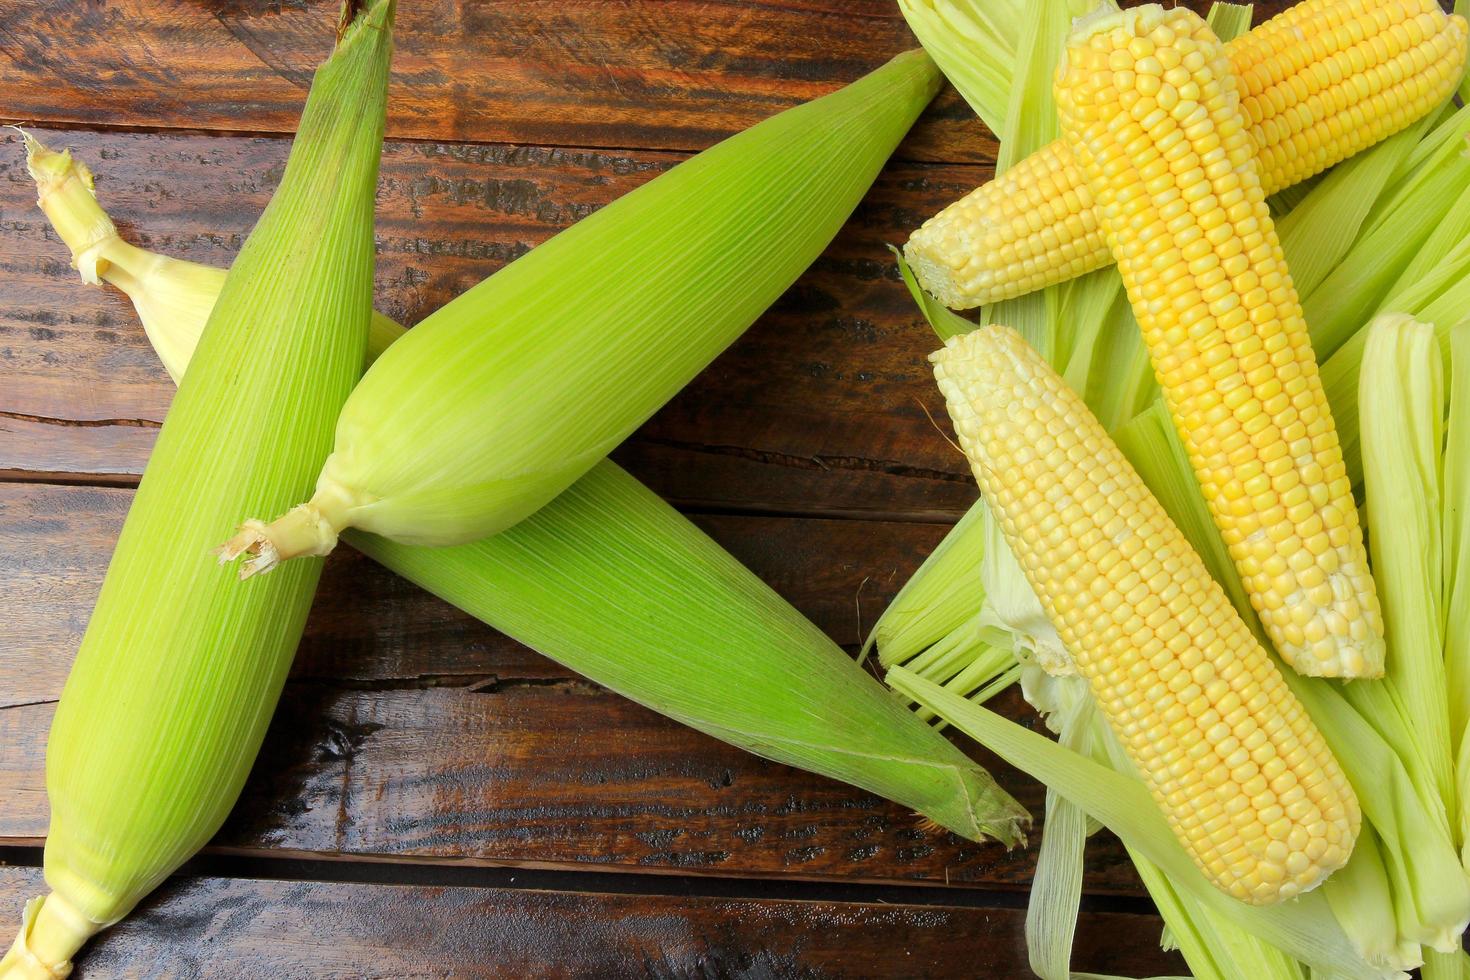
point(612, 582)
point(180, 668)
point(498, 401)
point(615, 584)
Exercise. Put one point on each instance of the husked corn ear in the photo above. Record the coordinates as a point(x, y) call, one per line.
point(1318, 83)
point(1148, 103)
point(1242, 775)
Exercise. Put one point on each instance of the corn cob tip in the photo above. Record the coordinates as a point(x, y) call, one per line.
point(51, 932)
point(1106, 17)
point(1347, 658)
point(926, 258)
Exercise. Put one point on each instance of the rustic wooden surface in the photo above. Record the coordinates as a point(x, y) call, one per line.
point(232, 926)
point(421, 761)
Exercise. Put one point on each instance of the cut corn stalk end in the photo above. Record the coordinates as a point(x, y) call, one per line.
point(168, 293)
point(302, 531)
point(51, 932)
point(65, 193)
point(250, 539)
point(306, 530)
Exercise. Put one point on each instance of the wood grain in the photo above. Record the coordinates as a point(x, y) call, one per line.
point(677, 74)
point(247, 928)
point(820, 408)
point(410, 730)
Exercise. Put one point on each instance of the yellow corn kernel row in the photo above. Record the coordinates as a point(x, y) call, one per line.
point(1242, 775)
point(1148, 103)
point(1318, 83)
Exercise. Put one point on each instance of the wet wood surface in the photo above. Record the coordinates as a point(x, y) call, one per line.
point(420, 761)
point(218, 926)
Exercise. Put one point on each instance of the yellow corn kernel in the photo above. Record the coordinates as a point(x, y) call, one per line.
point(1229, 344)
point(1242, 775)
point(1318, 83)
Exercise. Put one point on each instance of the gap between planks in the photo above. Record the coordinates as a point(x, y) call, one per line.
point(985, 167)
point(674, 884)
point(691, 507)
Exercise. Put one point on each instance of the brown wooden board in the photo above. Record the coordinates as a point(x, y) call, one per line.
point(675, 74)
point(246, 928)
point(409, 729)
point(820, 408)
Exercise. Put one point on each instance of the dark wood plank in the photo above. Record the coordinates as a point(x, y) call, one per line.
point(254, 928)
point(410, 730)
point(819, 409)
point(676, 74)
point(680, 74)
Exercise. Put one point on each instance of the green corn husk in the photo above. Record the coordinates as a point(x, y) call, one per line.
point(920, 616)
point(1303, 928)
point(1362, 901)
point(1401, 408)
point(1056, 886)
point(180, 668)
point(1446, 966)
point(498, 401)
point(1030, 124)
point(1357, 285)
point(953, 31)
point(615, 584)
point(1455, 602)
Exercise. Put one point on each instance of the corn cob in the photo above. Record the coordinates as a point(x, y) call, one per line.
point(1149, 106)
point(180, 668)
point(497, 402)
point(1243, 777)
point(1318, 83)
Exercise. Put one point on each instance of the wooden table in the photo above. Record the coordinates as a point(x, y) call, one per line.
point(434, 799)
